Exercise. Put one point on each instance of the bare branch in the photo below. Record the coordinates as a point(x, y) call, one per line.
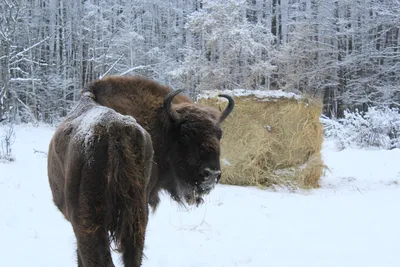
point(29, 48)
point(2, 92)
point(141, 67)
point(24, 80)
point(15, 96)
point(115, 63)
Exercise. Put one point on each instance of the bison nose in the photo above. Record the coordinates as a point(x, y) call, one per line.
point(211, 174)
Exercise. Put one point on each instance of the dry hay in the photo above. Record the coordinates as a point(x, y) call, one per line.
point(271, 140)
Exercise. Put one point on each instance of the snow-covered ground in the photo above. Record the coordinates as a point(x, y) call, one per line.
point(351, 221)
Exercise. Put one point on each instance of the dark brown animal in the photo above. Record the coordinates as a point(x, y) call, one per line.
point(99, 166)
point(102, 170)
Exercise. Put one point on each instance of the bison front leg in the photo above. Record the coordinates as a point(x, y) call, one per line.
point(134, 239)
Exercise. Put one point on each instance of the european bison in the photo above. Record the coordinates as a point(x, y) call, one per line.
point(126, 140)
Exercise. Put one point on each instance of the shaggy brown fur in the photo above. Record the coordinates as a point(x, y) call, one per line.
point(99, 166)
point(100, 161)
point(183, 146)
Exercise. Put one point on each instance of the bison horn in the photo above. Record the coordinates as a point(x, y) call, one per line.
point(228, 109)
point(168, 107)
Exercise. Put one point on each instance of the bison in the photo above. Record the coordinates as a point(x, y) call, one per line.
point(127, 139)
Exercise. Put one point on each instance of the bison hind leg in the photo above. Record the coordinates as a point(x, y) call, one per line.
point(133, 240)
point(93, 249)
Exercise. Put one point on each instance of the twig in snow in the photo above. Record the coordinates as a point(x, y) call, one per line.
point(38, 151)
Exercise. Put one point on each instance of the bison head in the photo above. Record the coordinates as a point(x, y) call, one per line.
point(195, 150)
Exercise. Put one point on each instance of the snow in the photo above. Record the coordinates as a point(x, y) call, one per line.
point(352, 220)
point(96, 116)
point(88, 120)
point(269, 95)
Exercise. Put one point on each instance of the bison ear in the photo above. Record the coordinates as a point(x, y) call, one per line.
point(228, 109)
point(168, 106)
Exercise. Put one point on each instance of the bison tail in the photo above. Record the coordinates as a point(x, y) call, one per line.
point(127, 178)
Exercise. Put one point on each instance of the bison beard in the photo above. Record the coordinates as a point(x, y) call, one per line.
point(126, 140)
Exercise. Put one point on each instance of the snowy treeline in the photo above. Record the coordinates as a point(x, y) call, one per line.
point(377, 127)
point(346, 52)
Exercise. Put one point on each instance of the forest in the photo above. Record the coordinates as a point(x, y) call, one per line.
point(344, 52)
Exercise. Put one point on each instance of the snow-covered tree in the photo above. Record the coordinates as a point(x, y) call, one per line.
point(225, 49)
point(346, 52)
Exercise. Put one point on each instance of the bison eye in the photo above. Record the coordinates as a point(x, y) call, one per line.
point(203, 151)
point(206, 150)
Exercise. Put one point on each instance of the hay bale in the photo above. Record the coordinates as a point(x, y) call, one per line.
point(271, 138)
